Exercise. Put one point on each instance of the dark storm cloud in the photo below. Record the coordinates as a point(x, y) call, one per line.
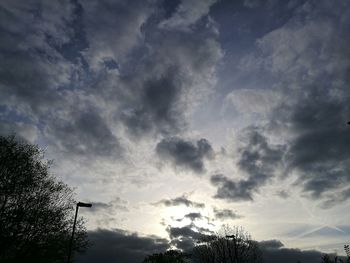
point(38, 82)
point(113, 28)
point(321, 151)
point(316, 77)
point(121, 246)
point(252, 3)
point(155, 70)
point(186, 237)
point(257, 157)
point(185, 153)
point(178, 66)
point(231, 190)
point(157, 106)
point(185, 231)
point(271, 244)
point(109, 207)
point(85, 133)
point(307, 58)
point(22, 131)
point(223, 214)
point(166, 76)
point(181, 200)
point(340, 197)
point(273, 251)
point(58, 58)
point(193, 216)
point(183, 243)
point(258, 160)
point(29, 80)
point(283, 194)
point(32, 71)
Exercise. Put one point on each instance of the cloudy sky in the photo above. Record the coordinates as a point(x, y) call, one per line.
point(174, 117)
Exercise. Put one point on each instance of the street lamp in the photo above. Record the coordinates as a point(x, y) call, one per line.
point(79, 204)
point(234, 246)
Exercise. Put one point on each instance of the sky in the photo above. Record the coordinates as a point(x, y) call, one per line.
point(174, 117)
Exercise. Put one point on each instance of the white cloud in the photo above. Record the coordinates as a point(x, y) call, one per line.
point(249, 101)
point(187, 14)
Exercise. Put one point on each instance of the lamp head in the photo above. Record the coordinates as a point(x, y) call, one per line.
point(81, 204)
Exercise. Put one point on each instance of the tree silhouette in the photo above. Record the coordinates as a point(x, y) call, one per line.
point(327, 259)
point(230, 245)
point(170, 256)
point(36, 210)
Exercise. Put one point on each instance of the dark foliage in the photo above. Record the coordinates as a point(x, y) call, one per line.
point(36, 211)
point(170, 256)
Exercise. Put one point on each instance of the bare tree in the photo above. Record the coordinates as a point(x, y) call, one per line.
point(36, 211)
point(229, 245)
point(328, 259)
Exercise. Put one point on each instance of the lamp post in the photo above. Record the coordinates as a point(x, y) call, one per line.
point(79, 204)
point(234, 247)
